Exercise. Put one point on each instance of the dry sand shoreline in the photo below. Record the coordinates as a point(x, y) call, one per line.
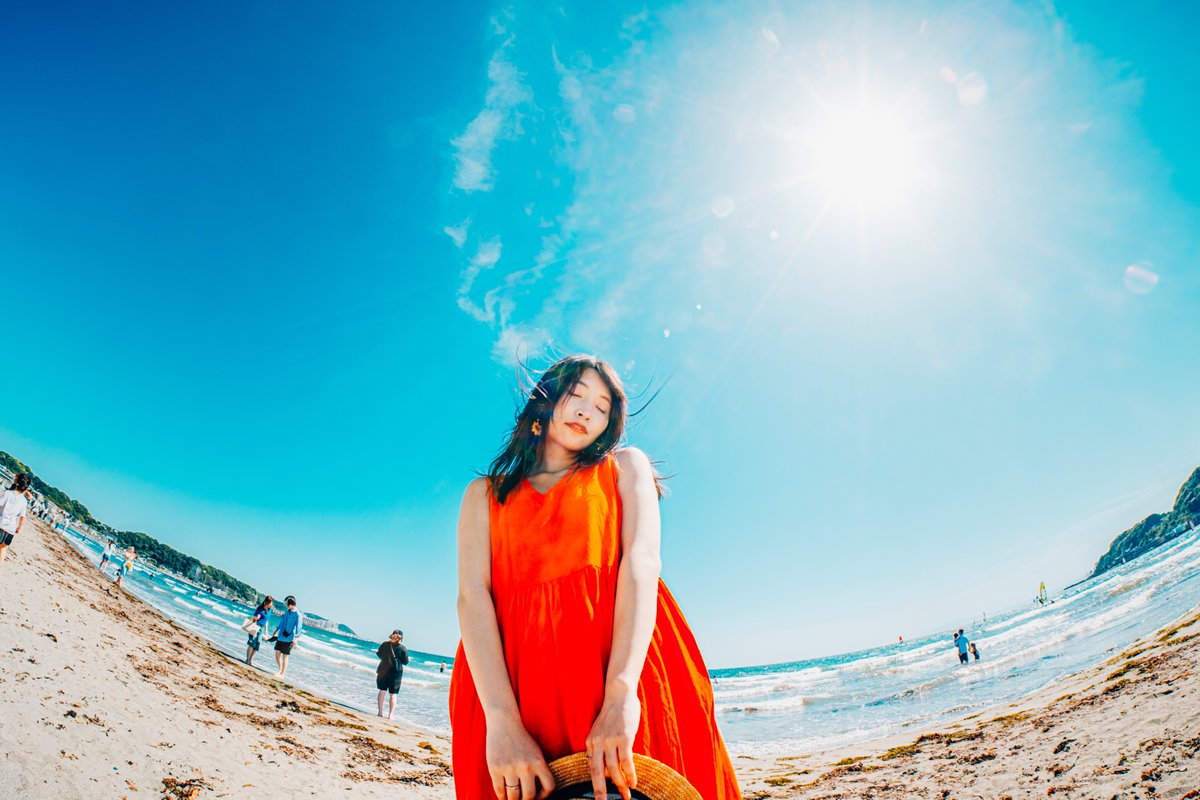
point(1127, 728)
point(100, 696)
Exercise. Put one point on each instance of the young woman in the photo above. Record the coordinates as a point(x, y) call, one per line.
point(259, 617)
point(570, 641)
point(13, 508)
point(126, 567)
point(109, 549)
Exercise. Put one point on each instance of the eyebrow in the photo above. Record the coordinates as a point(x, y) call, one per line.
point(586, 385)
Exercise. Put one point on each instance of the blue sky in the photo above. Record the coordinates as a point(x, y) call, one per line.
point(919, 285)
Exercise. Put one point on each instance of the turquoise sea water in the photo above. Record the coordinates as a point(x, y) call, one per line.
point(795, 707)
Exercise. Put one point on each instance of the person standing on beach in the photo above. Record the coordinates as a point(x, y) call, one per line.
point(570, 640)
point(13, 508)
point(259, 618)
point(127, 565)
point(393, 655)
point(286, 634)
point(107, 554)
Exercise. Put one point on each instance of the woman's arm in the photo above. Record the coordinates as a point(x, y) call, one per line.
point(513, 758)
point(610, 743)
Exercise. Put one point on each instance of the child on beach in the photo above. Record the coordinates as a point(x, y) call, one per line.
point(259, 618)
point(126, 565)
point(975, 650)
point(570, 641)
point(13, 508)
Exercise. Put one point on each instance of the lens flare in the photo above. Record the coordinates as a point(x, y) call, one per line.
point(722, 206)
point(1140, 278)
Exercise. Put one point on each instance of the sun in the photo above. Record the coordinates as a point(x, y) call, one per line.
point(867, 157)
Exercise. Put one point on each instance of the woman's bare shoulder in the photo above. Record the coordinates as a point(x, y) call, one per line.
point(476, 493)
point(633, 462)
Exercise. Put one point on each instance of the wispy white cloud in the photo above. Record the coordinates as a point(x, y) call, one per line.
point(517, 343)
point(498, 120)
point(486, 257)
point(458, 233)
point(627, 144)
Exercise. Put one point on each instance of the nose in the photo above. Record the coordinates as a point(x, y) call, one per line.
point(584, 412)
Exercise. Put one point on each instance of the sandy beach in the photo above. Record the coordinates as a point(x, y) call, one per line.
point(102, 697)
point(1128, 728)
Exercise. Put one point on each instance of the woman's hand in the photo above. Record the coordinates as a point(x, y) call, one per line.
point(516, 763)
point(610, 744)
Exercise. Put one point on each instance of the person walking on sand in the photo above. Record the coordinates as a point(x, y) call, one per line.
point(393, 655)
point(286, 634)
point(570, 639)
point(259, 618)
point(109, 549)
point(13, 508)
point(127, 564)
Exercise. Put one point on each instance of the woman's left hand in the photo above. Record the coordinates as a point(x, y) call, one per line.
point(610, 744)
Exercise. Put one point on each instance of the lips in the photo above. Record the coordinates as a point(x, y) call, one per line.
point(578, 428)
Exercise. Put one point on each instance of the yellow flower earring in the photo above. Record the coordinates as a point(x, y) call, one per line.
point(536, 428)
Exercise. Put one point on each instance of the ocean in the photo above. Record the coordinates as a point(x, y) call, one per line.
point(793, 708)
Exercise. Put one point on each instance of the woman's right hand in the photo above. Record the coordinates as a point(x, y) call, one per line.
point(516, 763)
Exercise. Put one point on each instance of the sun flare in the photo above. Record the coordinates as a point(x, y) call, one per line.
point(867, 157)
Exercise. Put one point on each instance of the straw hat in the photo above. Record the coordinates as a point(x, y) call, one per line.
point(655, 780)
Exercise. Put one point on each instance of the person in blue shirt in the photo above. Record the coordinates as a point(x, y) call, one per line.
point(286, 634)
point(963, 643)
point(260, 617)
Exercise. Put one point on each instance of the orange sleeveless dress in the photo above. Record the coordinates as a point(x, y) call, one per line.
point(554, 583)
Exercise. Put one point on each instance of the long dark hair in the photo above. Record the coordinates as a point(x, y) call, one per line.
point(522, 450)
point(20, 483)
point(263, 605)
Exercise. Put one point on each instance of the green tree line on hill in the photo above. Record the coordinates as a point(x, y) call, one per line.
point(168, 557)
point(148, 548)
point(1156, 529)
point(59, 498)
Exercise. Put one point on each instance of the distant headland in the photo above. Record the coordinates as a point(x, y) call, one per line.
point(1156, 529)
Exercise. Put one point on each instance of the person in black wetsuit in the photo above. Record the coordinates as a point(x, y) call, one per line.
point(393, 655)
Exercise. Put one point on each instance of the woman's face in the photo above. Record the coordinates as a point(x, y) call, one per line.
point(582, 413)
